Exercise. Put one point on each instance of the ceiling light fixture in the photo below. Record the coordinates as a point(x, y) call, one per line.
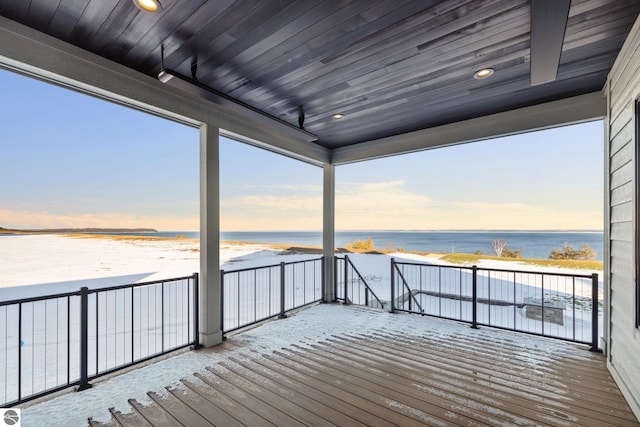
point(338, 116)
point(147, 5)
point(483, 73)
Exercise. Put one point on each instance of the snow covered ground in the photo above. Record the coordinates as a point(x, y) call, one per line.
point(45, 264)
point(304, 328)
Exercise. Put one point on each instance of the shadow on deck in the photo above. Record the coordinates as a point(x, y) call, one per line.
point(386, 376)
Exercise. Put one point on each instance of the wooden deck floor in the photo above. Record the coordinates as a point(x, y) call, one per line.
point(388, 378)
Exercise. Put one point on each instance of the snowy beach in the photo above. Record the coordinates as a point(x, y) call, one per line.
point(33, 265)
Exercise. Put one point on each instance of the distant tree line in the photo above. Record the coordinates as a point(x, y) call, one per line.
point(586, 252)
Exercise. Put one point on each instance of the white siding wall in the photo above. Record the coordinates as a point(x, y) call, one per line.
point(623, 88)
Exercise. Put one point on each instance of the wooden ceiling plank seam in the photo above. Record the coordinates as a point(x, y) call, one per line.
point(444, 112)
point(294, 22)
point(605, 31)
point(438, 108)
point(313, 49)
point(462, 71)
point(397, 29)
point(41, 12)
point(390, 77)
point(120, 17)
point(318, 30)
point(171, 19)
point(244, 31)
point(595, 16)
point(16, 9)
point(373, 61)
point(481, 47)
point(66, 18)
point(579, 7)
point(93, 16)
point(188, 33)
point(445, 84)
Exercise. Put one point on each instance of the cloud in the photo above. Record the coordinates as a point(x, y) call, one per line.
point(359, 206)
point(389, 205)
point(34, 219)
point(271, 213)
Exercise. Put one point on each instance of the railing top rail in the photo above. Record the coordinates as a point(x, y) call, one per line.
point(240, 270)
point(137, 285)
point(90, 291)
point(546, 273)
point(39, 298)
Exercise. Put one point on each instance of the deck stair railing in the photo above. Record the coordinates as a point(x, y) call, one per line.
point(556, 305)
point(252, 295)
point(52, 342)
point(351, 287)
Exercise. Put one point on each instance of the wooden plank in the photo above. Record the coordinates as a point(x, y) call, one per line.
point(265, 410)
point(513, 410)
point(362, 399)
point(304, 410)
point(425, 407)
point(66, 18)
point(179, 410)
point(545, 393)
point(304, 388)
point(131, 419)
point(154, 414)
point(206, 409)
point(232, 408)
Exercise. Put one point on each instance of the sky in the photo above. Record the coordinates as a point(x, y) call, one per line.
point(72, 160)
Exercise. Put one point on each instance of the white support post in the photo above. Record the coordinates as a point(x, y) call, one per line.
point(210, 332)
point(328, 231)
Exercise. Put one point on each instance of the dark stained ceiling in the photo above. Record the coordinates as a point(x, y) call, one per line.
point(390, 66)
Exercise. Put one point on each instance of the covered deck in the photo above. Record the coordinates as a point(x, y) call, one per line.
point(347, 365)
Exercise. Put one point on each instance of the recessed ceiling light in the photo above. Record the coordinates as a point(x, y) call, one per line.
point(147, 5)
point(338, 116)
point(483, 73)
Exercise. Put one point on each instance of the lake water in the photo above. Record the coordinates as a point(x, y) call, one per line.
point(534, 244)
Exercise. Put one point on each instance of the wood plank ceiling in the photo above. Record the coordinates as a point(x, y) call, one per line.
point(390, 66)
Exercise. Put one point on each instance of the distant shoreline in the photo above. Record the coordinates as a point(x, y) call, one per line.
point(76, 230)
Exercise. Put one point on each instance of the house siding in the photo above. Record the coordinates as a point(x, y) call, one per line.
point(623, 89)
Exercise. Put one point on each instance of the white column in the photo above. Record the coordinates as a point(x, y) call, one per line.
point(210, 332)
point(328, 230)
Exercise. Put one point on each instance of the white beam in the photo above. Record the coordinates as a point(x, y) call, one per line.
point(33, 53)
point(328, 231)
point(210, 301)
point(542, 116)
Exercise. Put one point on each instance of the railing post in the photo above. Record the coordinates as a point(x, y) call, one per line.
point(196, 312)
point(594, 313)
point(474, 298)
point(346, 279)
point(84, 340)
point(282, 283)
point(222, 304)
point(393, 287)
